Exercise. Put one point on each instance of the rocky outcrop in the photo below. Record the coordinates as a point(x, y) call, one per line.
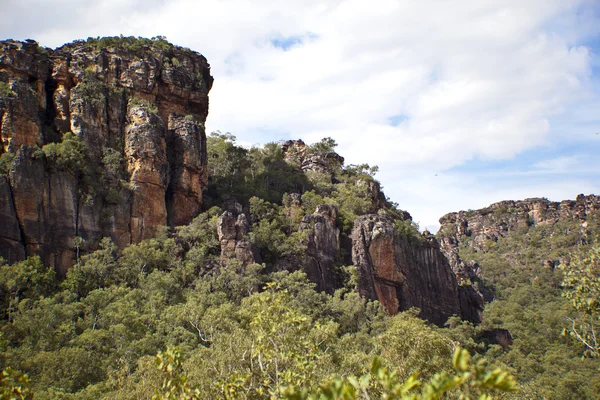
point(232, 231)
point(297, 152)
point(471, 301)
point(402, 272)
point(499, 219)
point(321, 240)
point(322, 246)
point(138, 106)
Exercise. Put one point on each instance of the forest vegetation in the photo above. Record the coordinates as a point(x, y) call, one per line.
point(167, 318)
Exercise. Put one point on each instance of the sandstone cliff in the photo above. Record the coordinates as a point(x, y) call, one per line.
point(322, 246)
point(402, 272)
point(105, 138)
point(137, 105)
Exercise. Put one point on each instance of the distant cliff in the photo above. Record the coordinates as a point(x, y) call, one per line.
point(136, 157)
point(477, 230)
point(499, 219)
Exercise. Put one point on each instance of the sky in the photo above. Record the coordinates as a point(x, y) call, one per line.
point(460, 103)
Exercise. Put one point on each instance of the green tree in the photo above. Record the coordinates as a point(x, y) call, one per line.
point(28, 279)
point(6, 162)
point(225, 159)
point(174, 385)
point(14, 385)
point(95, 271)
point(324, 146)
point(469, 381)
point(582, 286)
point(69, 154)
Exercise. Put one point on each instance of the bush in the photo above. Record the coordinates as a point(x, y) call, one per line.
point(92, 89)
point(132, 43)
point(148, 105)
point(324, 146)
point(6, 161)
point(69, 155)
point(6, 90)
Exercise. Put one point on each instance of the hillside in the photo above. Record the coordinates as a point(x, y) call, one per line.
point(266, 272)
point(516, 254)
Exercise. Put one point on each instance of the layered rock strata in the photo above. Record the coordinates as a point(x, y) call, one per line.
point(138, 106)
point(478, 227)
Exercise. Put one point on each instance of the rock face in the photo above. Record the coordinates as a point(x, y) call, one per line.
point(232, 231)
point(497, 336)
point(467, 273)
point(500, 218)
point(471, 303)
point(321, 237)
point(402, 273)
point(139, 106)
point(323, 246)
point(296, 151)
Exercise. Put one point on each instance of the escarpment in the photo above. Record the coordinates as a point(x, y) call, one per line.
point(480, 228)
point(504, 217)
point(103, 137)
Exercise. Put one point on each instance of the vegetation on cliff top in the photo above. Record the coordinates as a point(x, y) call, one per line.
point(131, 43)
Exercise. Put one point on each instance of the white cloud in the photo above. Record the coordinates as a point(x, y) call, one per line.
point(561, 164)
point(472, 79)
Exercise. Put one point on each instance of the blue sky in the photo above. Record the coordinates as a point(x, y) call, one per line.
point(460, 103)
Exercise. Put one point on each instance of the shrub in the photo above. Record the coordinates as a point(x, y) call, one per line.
point(148, 105)
point(92, 88)
point(6, 161)
point(132, 43)
point(6, 90)
point(70, 154)
point(324, 146)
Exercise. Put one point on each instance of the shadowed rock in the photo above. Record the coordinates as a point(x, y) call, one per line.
point(323, 246)
point(402, 273)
